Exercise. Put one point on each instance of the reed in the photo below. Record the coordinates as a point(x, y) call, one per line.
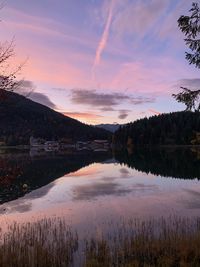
point(162, 242)
point(51, 242)
point(47, 242)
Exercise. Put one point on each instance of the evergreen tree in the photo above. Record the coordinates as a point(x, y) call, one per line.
point(190, 26)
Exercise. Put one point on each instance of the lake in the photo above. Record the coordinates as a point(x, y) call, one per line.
point(90, 188)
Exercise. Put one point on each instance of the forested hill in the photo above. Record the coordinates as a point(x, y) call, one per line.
point(21, 118)
point(178, 128)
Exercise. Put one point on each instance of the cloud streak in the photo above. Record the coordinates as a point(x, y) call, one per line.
point(102, 44)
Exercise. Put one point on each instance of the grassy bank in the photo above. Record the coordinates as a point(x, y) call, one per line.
point(50, 242)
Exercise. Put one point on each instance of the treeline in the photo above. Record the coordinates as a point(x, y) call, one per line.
point(178, 128)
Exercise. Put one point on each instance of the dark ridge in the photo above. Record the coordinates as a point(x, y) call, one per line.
point(21, 118)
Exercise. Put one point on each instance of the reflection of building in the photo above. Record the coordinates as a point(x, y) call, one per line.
point(99, 145)
point(93, 145)
point(2, 143)
point(36, 142)
point(41, 143)
point(66, 143)
point(82, 145)
point(51, 146)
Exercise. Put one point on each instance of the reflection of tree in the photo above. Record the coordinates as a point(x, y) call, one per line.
point(196, 152)
point(176, 163)
point(8, 172)
point(19, 169)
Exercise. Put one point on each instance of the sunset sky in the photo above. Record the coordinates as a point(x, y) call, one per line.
point(101, 61)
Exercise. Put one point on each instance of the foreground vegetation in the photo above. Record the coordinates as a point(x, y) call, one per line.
point(50, 242)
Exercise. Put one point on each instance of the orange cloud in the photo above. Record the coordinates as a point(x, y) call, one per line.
point(154, 111)
point(84, 116)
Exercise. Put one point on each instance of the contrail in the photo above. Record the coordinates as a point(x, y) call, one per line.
point(104, 38)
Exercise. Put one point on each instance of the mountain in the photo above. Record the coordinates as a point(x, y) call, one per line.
point(109, 127)
point(21, 118)
point(177, 128)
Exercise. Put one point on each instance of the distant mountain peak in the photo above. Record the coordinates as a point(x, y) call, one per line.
point(109, 127)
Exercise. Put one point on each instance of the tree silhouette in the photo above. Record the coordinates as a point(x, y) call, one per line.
point(190, 98)
point(190, 26)
point(8, 80)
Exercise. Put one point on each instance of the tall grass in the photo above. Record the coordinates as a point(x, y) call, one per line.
point(48, 242)
point(134, 243)
point(162, 242)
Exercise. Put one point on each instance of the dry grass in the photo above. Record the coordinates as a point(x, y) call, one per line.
point(172, 242)
point(50, 242)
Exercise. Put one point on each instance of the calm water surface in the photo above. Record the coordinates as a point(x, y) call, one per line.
point(89, 188)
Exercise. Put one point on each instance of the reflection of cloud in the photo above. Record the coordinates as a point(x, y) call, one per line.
point(20, 205)
point(144, 187)
point(124, 171)
point(84, 172)
point(94, 190)
point(41, 192)
point(194, 199)
point(24, 204)
point(108, 187)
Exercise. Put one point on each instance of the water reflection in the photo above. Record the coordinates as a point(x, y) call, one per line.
point(92, 188)
point(98, 189)
point(21, 173)
point(167, 162)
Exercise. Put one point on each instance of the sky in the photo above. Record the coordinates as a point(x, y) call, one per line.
point(100, 61)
